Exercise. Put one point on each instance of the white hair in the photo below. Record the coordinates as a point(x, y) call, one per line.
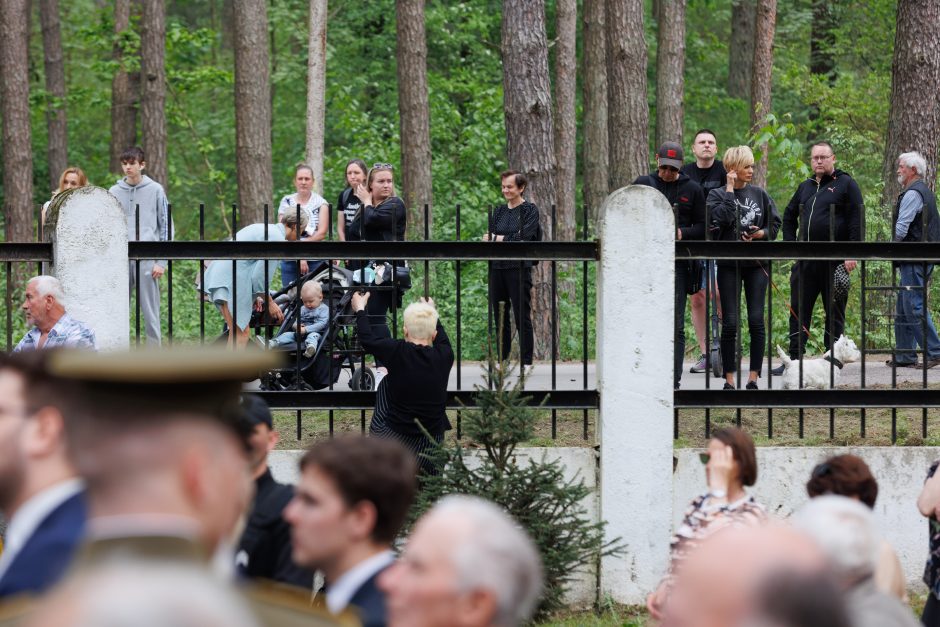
point(495, 554)
point(915, 161)
point(844, 529)
point(48, 286)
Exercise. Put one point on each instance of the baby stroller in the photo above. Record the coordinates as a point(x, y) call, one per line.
point(338, 349)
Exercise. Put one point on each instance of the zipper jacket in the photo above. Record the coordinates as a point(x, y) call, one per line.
point(837, 191)
point(688, 199)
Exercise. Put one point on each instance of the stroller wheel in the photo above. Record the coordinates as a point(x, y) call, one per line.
point(362, 379)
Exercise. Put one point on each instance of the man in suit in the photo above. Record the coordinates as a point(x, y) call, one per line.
point(467, 563)
point(40, 493)
point(159, 437)
point(349, 505)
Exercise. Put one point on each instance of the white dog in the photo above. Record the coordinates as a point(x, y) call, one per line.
point(816, 371)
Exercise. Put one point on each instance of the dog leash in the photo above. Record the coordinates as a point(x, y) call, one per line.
point(789, 306)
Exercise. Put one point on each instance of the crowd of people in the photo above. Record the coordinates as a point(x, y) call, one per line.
point(732, 563)
point(132, 485)
point(715, 199)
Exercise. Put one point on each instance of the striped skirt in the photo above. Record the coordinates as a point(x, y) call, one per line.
point(417, 444)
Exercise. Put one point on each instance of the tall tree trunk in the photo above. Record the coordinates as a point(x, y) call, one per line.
point(741, 50)
point(57, 145)
point(14, 101)
point(413, 109)
point(822, 39)
point(252, 110)
point(530, 142)
point(125, 89)
point(316, 90)
point(762, 78)
point(565, 117)
point(914, 118)
point(627, 106)
point(594, 96)
point(670, 71)
point(153, 88)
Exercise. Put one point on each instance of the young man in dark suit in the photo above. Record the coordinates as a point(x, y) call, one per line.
point(40, 494)
point(349, 505)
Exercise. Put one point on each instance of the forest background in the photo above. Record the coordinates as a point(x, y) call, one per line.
point(831, 78)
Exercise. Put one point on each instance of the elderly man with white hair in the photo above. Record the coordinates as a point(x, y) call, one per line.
point(844, 530)
point(915, 220)
point(51, 326)
point(467, 564)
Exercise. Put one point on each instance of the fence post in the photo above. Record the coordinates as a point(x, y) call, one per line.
point(635, 311)
point(88, 230)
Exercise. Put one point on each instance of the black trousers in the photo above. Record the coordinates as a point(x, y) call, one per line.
point(754, 281)
point(511, 288)
point(931, 615)
point(380, 301)
point(808, 281)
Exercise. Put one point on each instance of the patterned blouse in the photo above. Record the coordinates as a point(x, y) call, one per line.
point(66, 333)
point(702, 520)
point(932, 568)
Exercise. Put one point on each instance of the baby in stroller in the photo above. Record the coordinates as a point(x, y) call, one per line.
point(314, 318)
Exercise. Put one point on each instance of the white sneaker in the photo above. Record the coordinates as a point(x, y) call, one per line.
point(379, 375)
point(308, 353)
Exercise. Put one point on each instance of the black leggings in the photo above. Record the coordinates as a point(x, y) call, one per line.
point(506, 291)
point(755, 283)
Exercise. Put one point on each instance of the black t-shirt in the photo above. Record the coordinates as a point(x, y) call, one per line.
point(351, 207)
point(708, 178)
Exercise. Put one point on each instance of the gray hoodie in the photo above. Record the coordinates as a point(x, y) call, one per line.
point(154, 213)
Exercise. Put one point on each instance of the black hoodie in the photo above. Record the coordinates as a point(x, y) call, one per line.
point(687, 196)
point(817, 197)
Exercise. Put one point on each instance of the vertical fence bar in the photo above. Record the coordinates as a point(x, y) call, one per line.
point(554, 321)
point(427, 237)
point(864, 341)
point(233, 308)
point(457, 284)
point(830, 320)
point(801, 268)
point(710, 310)
point(202, 276)
point(9, 299)
point(137, 278)
point(770, 344)
point(490, 313)
point(584, 320)
point(169, 278)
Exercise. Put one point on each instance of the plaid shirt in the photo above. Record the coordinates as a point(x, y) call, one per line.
point(67, 333)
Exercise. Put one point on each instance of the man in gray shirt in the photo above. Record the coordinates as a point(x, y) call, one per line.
point(916, 220)
point(147, 211)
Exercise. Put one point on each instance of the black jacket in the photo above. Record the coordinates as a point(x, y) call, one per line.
point(837, 191)
point(264, 551)
point(384, 223)
point(687, 197)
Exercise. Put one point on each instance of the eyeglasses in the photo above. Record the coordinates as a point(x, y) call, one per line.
point(704, 458)
point(382, 166)
point(821, 157)
point(668, 168)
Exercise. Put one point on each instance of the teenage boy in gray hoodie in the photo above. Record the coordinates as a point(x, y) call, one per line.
point(137, 192)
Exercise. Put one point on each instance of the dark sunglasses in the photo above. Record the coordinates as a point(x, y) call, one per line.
point(669, 168)
point(704, 458)
point(382, 166)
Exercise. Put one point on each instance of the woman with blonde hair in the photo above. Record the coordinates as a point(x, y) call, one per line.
point(412, 398)
point(70, 178)
point(742, 212)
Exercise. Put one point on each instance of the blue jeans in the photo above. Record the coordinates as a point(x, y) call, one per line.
point(289, 339)
point(909, 323)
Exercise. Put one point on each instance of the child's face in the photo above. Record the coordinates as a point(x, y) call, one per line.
point(312, 301)
point(133, 170)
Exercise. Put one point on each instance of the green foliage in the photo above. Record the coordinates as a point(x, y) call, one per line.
point(535, 492)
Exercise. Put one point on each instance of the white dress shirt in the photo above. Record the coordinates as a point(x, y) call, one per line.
point(339, 593)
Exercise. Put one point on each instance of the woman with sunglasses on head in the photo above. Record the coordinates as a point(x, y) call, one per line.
point(687, 199)
point(730, 465)
point(317, 210)
point(510, 284)
point(742, 212)
point(383, 219)
point(349, 207)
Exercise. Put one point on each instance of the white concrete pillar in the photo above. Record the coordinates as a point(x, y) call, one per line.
point(635, 305)
point(89, 252)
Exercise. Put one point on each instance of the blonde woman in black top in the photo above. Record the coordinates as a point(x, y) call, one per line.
point(511, 281)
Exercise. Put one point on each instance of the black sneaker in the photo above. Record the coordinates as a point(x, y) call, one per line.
point(751, 385)
point(893, 363)
point(778, 371)
point(728, 386)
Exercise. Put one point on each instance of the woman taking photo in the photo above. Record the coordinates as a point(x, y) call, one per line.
point(742, 212)
point(250, 281)
point(414, 394)
point(318, 217)
point(349, 207)
point(383, 219)
point(511, 281)
point(730, 465)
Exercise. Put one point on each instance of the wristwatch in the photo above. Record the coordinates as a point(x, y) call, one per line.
point(719, 494)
